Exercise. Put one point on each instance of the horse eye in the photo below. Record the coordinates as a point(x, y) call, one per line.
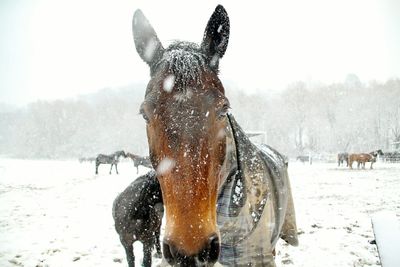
point(145, 117)
point(223, 112)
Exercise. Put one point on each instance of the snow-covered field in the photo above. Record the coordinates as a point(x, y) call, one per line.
point(58, 213)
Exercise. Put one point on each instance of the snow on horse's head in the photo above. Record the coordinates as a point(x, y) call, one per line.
point(185, 110)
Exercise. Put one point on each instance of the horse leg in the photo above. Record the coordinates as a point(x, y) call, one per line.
point(116, 169)
point(147, 247)
point(111, 167)
point(127, 242)
point(157, 243)
point(97, 167)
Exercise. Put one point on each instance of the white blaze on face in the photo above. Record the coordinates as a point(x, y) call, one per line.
point(168, 83)
point(165, 166)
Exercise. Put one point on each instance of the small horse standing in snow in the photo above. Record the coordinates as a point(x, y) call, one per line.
point(209, 172)
point(137, 214)
point(112, 159)
point(139, 161)
point(363, 158)
point(304, 159)
point(343, 157)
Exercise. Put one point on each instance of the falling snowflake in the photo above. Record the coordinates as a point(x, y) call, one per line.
point(169, 82)
point(165, 166)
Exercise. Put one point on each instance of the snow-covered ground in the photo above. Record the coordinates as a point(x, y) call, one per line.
point(58, 213)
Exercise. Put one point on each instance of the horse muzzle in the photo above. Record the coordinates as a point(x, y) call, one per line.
point(206, 257)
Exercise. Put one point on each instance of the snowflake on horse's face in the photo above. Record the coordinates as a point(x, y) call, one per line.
point(203, 158)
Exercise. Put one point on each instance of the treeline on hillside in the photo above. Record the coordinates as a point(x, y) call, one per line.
point(348, 116)
point(100, 123)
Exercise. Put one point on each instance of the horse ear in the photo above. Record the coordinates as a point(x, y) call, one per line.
point(147, 43)
point(216, 36)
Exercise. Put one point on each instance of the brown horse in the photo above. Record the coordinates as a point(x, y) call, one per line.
point(362, 158)
point(192, 141)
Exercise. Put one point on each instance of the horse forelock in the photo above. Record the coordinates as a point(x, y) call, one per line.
point(183, 63)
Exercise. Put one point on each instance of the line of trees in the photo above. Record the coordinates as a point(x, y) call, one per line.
point(100, 123)
point(348, 116)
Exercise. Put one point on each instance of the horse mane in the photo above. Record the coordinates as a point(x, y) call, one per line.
point(185, 61)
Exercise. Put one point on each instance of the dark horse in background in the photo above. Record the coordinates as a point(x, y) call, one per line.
point(83, 159)
point(362, 158)
point(304, 159)
point(343, 157)
point(138, 213)
point(139, 161)
point(225, 199)
point(112, 159)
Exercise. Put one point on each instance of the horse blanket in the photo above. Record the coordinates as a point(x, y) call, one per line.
point(255, 205)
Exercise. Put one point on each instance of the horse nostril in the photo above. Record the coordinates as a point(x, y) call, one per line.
point(211, 252)
point(169, 253)
point(214, 248)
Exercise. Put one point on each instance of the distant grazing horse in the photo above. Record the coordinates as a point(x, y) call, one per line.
point(363, 158)
point(112, 159)
point(91, 159)
point(137, 214)
point(225, 199)
point(343, 157)
point(138, 160)
point(304, 159)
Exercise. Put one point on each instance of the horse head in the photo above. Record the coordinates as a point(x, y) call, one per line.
point(375, 153)
point(120, 153)
point(185, 111)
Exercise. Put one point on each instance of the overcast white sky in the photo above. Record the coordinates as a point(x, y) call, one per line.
point(55, 49)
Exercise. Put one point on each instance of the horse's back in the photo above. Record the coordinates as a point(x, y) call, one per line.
point(362, 157)
point(132, 203)
point(255, 206)
point(278, 164)
point(102, 158)
point(353, 157)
